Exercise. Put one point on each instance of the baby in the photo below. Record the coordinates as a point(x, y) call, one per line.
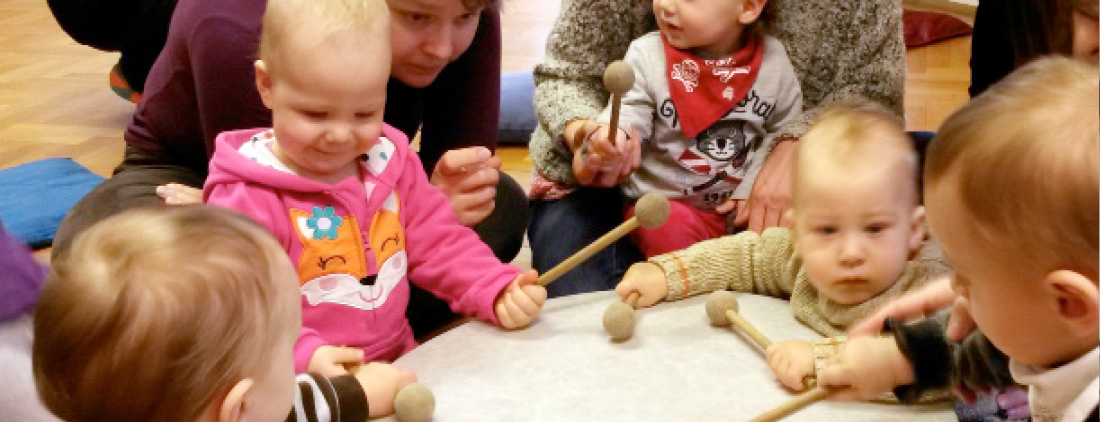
point(857, 230)
point(347, 198)
point(1013, 192)
point(186, 314)
point(708, 100)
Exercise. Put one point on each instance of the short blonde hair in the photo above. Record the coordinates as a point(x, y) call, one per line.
point(316, 22)
point(853, 135)
point(1025, 160)
point(156, 312)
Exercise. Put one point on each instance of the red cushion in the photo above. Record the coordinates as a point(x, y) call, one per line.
point(923, 28)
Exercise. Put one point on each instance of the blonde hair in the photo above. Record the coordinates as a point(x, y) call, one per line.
point(1025, 160)
point(851, 135)
point(317, 22)
point(156, 312)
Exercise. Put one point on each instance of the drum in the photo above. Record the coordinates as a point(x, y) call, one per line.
point(676, 367)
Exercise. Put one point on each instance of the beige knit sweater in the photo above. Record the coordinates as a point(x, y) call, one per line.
point(766, 264)
point(840, 50)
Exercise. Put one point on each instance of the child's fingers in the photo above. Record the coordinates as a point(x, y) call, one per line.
point(503, 316)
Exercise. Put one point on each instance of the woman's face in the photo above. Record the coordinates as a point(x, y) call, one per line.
point(427, 35)
point(1086, 44)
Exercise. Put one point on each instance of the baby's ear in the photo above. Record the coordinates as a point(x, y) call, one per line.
point(1076, 299)
point(918, 230)
point(263, 82)
point(231, 408)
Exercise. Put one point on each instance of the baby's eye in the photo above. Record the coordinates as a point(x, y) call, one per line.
point(826, 230)
point(363, 115)
point(875, 228)
point(314, 114)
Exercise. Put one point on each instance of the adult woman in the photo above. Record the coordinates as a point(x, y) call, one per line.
point(203, 83)
point(839, 50)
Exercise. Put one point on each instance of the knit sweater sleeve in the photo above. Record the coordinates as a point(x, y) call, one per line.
point(842, 51)
point(569, 81)
point(745, 262)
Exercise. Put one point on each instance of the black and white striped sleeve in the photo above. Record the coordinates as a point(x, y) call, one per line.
point(320, 399)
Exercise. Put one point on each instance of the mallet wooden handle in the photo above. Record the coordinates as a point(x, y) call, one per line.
point(613, 129)
point(632, 299)
point(745, 326)
point(802, 400)
point(588, 251)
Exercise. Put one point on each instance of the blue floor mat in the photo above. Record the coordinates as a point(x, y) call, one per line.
point(34, 197)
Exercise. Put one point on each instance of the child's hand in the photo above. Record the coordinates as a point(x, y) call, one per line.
point(179, 194)
point(791, 361)
point(646, 278)
point(381, 382)
point(331, 361)
point(520, 303)
point(870, 366)
point(598, 162)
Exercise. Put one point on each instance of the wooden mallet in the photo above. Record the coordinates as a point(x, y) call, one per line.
point(414, 403)
point(651, 211)
point(793, 405)
point(722, 311)
point(618, 77)
point(618, 319)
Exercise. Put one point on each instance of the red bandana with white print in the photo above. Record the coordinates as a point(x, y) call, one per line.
point(703, 91)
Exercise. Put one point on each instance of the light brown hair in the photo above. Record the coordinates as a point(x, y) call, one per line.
point(854, 135)
point(1024, 157)
point(154, 313)
point(316, 22)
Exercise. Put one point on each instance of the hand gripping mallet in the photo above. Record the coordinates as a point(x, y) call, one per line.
point(618, 77)
point(651, 211)
point(618, 319)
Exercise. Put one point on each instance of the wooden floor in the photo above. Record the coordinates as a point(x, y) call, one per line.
point(55, 101)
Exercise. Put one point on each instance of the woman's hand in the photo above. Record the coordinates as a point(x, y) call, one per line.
point(601, 162)
point(468, 177)
point(771, 193)
point(932, 297)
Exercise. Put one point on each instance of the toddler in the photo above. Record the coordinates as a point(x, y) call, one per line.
point(708, 98)
point(856, 232)
point(1013, 193)
point(345, 195)
point(185, 314)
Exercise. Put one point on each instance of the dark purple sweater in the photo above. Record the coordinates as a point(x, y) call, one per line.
point(21, 277)
point(203, 84)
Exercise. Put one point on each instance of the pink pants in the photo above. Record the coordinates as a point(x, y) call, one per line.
point(686, 226)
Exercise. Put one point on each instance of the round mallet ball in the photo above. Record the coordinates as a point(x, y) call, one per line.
point(717, 304)
point(618, 77)
point(618, 320)
point(414, 403)
point(652, 210)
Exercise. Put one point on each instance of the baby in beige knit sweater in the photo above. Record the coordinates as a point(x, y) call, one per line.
point(857, 240)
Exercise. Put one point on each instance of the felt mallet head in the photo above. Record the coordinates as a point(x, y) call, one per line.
point(717, 305)
point(618, 320)
point(652, 210)
point(414, 403)
point(618, 77)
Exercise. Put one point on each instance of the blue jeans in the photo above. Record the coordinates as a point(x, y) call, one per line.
point(562, 227)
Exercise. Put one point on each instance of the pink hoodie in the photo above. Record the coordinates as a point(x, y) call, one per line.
point(356, 243)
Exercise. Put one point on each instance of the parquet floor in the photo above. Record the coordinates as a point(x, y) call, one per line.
point(55, 101)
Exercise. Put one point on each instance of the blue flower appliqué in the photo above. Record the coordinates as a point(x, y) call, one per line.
point(324, 223)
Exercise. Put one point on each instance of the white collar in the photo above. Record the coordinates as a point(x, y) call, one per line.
point(1067, 393)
